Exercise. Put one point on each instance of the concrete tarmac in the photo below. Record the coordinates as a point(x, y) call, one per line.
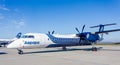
point(80, 55)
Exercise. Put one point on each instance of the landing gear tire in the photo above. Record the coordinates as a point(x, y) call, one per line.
point(64, 48)
point(94, 49)
point(20, 51)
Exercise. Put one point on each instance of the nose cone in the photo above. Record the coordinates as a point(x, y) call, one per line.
point(12, 45)
point(16, 44)
point(9, 46)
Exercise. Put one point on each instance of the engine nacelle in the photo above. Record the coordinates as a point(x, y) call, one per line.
point(93, 37)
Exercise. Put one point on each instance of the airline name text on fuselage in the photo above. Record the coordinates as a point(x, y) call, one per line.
point(32, 42)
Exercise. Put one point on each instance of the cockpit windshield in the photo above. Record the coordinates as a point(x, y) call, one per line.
point(27, 36)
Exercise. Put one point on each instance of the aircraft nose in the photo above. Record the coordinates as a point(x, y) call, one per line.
point(16, 44)
point(9, 46)
point(12, 45)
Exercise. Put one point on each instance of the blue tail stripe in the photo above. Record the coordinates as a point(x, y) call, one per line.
point(63, 40)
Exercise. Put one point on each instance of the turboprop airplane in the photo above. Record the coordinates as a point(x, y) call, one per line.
point(4, 42)
point(41, 40)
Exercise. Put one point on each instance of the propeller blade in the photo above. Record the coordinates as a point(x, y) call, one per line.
point(80, 35)
point(83, 28)
point(77, 30)
point(48, 32)
point(53, 32)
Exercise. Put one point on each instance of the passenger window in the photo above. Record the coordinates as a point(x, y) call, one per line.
point(27, 36)
point(30, 36)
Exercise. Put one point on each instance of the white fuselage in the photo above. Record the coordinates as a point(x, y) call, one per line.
point(38, 40)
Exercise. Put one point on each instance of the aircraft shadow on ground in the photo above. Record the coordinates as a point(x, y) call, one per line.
point(1, 53)
point(111, 49)
point(51, 51)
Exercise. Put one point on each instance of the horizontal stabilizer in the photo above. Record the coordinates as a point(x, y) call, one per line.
point(103, 25)
point(107, 31)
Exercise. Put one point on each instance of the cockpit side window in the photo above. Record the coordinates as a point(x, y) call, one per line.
point(27, 36)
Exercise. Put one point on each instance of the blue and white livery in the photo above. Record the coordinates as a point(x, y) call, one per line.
point(40, 40)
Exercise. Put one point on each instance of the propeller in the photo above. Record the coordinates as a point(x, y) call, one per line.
point(94, 37)
point(52, 32)
point(81, 35)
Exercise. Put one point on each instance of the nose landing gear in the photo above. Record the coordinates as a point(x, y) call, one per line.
point(93, 47)
point(20, 51)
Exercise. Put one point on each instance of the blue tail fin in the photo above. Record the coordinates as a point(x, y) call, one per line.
point(18, 35)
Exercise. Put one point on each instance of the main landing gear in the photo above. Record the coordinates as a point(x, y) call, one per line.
point(93, 47)
point(64, 48)
point(20, 51)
